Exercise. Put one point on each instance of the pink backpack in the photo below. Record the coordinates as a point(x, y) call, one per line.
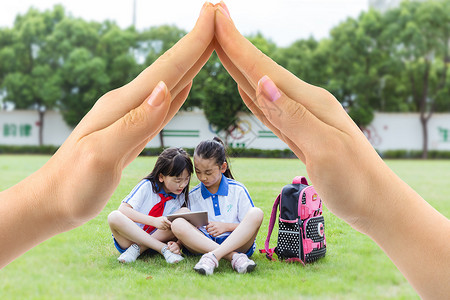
point(301, 226)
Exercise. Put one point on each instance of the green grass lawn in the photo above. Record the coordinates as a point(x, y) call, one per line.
point(81, 264)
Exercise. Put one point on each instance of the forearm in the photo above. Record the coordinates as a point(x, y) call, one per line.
point(29, 215)
point(414, 235)
point(136, 216)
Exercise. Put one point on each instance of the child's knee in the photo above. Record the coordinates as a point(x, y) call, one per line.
point(256, 215)
point(115, 217)
point(179, 227)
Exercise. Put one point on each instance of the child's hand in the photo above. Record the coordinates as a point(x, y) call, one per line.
point(174, 247)
point(216, 228)
point(162, 223)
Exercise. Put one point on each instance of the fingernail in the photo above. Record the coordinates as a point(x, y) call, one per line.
point(269, 88)
point(205, 5)
point(156, 98)
point(225, 7)
point(224, 11)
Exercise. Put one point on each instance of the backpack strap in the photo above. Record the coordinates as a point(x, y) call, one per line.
point(269, 251)
point(300, 179)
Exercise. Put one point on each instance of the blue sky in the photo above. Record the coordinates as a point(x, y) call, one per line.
point(283, 21)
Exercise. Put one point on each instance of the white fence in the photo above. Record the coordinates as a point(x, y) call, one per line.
point(186, 129)
point(21, 127)
point(392, 131)
point(387, 131)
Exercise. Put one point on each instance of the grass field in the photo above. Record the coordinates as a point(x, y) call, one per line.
point(81, 264)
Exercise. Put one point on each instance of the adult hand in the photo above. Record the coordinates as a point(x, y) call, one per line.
point(76, 183)
point(307, 118)
point(353, 181)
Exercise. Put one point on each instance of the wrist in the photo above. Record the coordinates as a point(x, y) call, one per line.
point(383, 206)
point(231, 226)
point(43, 193)
point(151, 221)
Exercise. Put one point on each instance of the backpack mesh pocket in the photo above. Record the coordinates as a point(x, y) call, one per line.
point(289, 240)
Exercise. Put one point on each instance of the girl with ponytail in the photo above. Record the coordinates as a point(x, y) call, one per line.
point(234, 221)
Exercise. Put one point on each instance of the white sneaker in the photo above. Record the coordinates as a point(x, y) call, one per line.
point(242, 264)
point(171, 257)
point(206, 264)
point(130, 255)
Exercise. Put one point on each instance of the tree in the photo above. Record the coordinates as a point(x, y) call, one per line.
point(8, 61)
point(216, 92)
point(307, 59)
point(29, 78)
point(92, 58)
point(50, 60)
point(85, 80)
point(156, 40)
point(221, 102)
point(116, 47)
point(420, 39)
point(357, 64)
point(152, 43)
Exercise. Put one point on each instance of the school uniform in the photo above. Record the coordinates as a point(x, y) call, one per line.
point(229, 204)
point(142, 199)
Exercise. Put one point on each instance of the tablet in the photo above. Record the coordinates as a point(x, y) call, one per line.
point(197, 219)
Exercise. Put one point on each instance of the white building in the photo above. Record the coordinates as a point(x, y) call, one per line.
point(388, 131)
point(186, 129)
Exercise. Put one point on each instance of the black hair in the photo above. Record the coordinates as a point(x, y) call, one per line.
point(214, 149)
point(171, 162)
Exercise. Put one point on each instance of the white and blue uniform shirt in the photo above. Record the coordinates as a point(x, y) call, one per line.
point(142, 199)
point(229, 205)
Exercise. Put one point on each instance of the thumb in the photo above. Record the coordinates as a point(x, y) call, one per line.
point(123, 136)
point(290, 117)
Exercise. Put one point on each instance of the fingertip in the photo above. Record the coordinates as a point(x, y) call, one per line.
point(205, 7)
point(221, 6)
point(204, 27)
point(268, 88)
point(221, 3)
point(223, 11)
point(158, 95)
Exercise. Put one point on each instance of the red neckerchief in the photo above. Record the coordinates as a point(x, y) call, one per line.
point(157, 210)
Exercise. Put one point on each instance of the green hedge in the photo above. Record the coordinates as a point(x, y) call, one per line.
point(233, 152)
point(10, 149)
point(414, 154)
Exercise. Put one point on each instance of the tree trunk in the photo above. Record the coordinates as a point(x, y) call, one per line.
point(161, 138)
point(41, 126)
point(424, 123)
point(424, 115)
